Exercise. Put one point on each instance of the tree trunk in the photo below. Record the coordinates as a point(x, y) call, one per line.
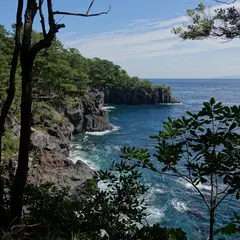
point(24, 148)
point(26, 118)
point(7, 104)
point(212, 220)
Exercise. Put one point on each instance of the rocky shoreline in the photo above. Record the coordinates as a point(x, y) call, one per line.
point(50, 149)
point(136, 96)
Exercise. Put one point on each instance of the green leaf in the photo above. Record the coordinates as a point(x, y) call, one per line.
point(165, 169)
point(212, 101)
point(207, 105)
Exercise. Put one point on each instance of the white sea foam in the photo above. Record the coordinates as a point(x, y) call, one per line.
point(76, 156)
point(204, 187)
point(170, 103)
point(103, 186)
point(108, 108)
point(179, 206)
point(200, 185)
point(115, 128)
point(156, 214)
point(153, 192)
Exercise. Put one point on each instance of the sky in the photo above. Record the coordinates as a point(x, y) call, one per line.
point(136, 34)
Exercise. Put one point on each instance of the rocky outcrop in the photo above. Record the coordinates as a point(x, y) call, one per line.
point(141, 95)
point(88, 115)
point(54, 167)
point(49, 161)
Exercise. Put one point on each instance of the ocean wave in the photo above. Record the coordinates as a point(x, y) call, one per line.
point(155, 214)
point(115, 128)
point(200, 185)
point(204, 187)
point(108, 108)
point(179, 206)
point(170, 104)
point(76, 156)
point(153, 192)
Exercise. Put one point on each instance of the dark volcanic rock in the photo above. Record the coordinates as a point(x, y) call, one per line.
point(88, 115)
point(154, 95)
point(54, 167)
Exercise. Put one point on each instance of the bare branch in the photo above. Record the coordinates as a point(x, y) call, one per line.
point(82, 14)
point(46, 42)
point(227, 194)
point(90, 6)
point(51, 21)
point(42, 18)
point(224, 191)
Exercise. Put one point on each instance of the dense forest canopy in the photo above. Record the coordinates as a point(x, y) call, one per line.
point(59, 71)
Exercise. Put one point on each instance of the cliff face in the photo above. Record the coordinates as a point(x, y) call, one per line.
point(49, 161)
point(88, 115)
point(155, 95)
point(50, 147)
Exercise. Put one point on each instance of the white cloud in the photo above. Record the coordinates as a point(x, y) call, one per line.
point(151, 40)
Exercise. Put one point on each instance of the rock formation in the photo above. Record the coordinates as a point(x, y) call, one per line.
point(88, 115)
point(154, 95)
point(50, 146)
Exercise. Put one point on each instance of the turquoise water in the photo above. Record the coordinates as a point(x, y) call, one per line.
point(172, 202)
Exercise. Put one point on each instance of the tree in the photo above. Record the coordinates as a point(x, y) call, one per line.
point(223, 23)
point(10, 96)
point(28, 50)
point(202, 148)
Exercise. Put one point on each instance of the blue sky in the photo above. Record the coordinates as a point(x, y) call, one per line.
point(136, 34)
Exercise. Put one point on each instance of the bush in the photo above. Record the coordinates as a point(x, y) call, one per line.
point(115, 211)
point(10, 144)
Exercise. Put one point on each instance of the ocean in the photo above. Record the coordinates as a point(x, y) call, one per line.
point(172, 202)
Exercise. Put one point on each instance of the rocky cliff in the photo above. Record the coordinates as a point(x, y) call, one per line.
point(51, 134)
point(50, 144)
point(88, 115)
point(153, 95)
point(48, 160)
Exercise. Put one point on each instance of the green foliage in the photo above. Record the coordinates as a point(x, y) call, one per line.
point(44, 116)
point(224, 23)
point(200, 148)
point(59, 72)
point(232, 228)
point(10, 144)
point(114, 210)
point(6, 43)
point(156, 232)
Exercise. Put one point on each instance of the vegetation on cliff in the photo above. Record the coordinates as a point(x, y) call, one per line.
point(47, 212)
point(59, 71)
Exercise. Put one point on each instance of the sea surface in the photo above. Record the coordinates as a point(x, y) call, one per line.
point(172, 202)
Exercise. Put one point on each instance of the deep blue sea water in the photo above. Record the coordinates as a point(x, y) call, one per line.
point(172, 202)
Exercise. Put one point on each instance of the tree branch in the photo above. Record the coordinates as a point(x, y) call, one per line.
point(90, 6)
point(188, 180)
point(82, 14)
point(42, 18)
point(51, 21)
point(11, 90)
point(221, 200)
point(46, 42)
